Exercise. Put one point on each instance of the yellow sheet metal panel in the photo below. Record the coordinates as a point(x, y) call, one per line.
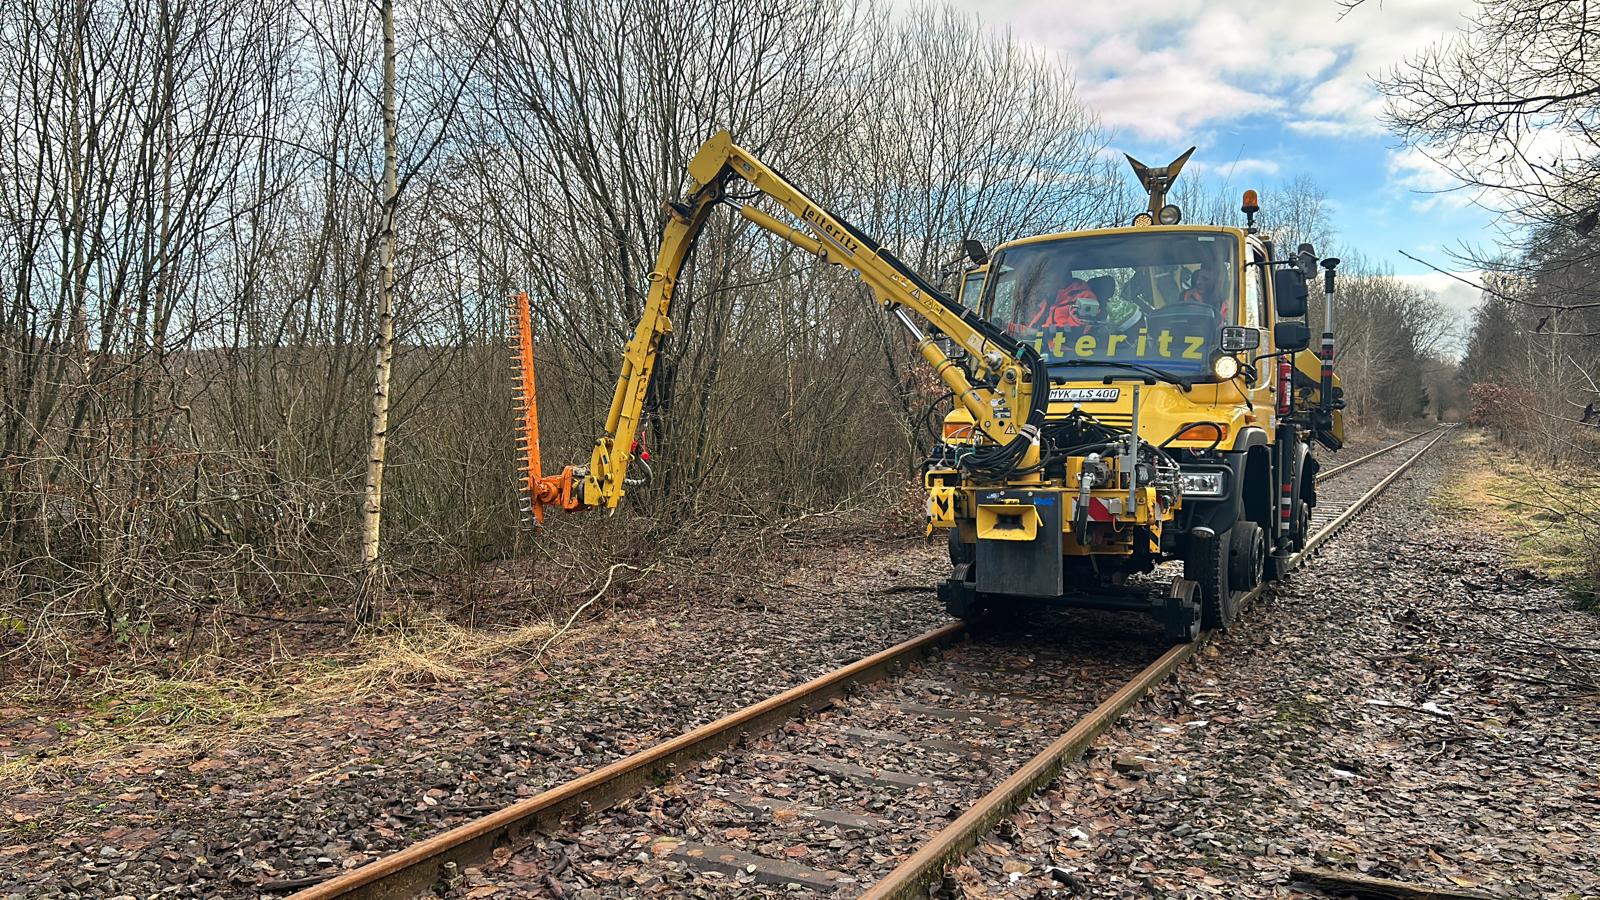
point(942, 506)
point(1007, 522)
point(1237, 233)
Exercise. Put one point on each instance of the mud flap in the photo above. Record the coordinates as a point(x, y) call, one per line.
point(1025, 568)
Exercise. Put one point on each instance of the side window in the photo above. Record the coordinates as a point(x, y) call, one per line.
point(971, 289)
point(1263, 274)
point(1254, 314)
point(1254, 296)
point(1005, 300)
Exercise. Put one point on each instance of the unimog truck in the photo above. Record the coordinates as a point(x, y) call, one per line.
point(1182, 408)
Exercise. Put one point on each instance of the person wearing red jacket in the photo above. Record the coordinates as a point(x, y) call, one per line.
point(1064, 311)
point(1203, 288)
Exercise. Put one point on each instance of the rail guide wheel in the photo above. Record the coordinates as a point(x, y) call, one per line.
point(1300, 526)
point(1294, 541)
point(959, 594)
point(1246, 560)
point(1180, 611)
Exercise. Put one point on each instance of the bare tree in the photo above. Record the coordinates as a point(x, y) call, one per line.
point(222, 336)
point(378, 435)
point(1508, 106)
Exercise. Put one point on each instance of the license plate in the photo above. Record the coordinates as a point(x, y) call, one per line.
point(1085, 395)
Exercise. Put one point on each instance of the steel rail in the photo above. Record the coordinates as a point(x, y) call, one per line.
point(1361, 502)
point(912, 877)
point(415, 869)
point(1379, 452)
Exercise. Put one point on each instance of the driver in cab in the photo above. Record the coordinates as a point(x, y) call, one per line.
point(1078, 307)
point(1205, 287)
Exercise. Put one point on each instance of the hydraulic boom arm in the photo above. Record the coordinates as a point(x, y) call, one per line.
point(1006, 390)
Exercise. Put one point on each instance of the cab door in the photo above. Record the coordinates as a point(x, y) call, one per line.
point(971, 290)
point(1256, 312)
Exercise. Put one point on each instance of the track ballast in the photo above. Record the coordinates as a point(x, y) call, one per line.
point(863, 782)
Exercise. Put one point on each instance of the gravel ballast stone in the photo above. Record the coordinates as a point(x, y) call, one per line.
point(338, 786)
point(1410, 705)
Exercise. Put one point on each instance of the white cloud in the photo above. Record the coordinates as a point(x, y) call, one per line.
point(1432, 187)
point(1167, 68)
point(1459, 299)
point(1243, 166)
point(1333, 127)
point(1158, 107)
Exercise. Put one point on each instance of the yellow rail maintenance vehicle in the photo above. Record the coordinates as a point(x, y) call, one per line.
point(1182, 404)
point(1123, 396)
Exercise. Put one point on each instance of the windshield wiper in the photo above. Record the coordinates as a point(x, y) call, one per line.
point(1135, 367)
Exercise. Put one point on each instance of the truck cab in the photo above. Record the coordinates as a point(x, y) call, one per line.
point(1187, 337)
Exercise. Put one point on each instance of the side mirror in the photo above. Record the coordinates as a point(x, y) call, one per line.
point(1291, 336)
point(1306, 259)
point(1289, 288)
point(1236, 338)
point(975, 251)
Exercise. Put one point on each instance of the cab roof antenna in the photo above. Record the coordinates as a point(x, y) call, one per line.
point(1158, 181)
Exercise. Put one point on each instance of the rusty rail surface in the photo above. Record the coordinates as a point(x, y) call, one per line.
point(417, 868)
point(413, 870)
point(1322, 476)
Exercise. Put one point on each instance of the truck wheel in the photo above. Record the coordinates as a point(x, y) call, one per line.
point(1247, 556)
point(960, 554)
point(1207, 564)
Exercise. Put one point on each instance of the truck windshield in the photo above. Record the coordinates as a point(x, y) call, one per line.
point(1156, 299)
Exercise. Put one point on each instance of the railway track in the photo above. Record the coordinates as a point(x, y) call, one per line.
point(866, 781)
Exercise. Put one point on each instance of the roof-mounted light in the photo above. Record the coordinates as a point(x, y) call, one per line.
point(1143, 219)
point(1171, 215)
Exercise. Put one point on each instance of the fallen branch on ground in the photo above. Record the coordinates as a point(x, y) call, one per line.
point(1367, 886)
point(610, 574)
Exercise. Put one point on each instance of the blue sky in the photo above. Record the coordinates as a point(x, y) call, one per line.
point(1271, 91)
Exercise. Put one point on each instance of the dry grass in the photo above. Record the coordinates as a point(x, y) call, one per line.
point(417, 654)
point(146, 717)
point(142, 717)
point(1551, 515)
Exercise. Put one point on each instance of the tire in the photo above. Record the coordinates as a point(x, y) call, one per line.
point(1247, 557)
point(960, 554)
point(1207, 564)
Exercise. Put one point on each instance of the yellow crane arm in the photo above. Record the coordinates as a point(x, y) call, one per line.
point(1006, 392)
